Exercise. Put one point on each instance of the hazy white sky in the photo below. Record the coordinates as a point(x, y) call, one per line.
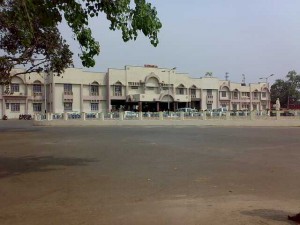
point(256, 38)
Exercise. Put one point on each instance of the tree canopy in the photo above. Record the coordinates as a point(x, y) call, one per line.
point(29, 32)
point(286, 90)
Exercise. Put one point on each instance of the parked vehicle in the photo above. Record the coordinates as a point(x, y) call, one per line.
point(25, 117)
point(189, 111)
point(219, 112)
point(130, 114)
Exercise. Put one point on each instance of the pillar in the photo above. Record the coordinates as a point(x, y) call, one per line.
point(277, 115)
point(157, 106)
point(65, 116)
point(181, 115)
point(227, 115)
point(83, 114)
point(121, 116)
point(140, 106)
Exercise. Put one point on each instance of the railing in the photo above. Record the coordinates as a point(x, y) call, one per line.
point(202, 115)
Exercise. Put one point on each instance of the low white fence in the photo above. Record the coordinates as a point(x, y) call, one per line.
point(238, 115)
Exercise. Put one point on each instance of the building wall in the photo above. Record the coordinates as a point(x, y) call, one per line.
point(152, 88)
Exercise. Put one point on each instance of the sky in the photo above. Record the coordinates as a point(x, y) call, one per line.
point(256, 38)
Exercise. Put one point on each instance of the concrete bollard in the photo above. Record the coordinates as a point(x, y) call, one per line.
point(161, 116)
point(227, 115)
point(204, 116)
point(121, 116)
point(65, 116)
point(140, 115)
point(181, 115)
point(252, 115)
point(277, 115)
point(48, 116)
point(83, 114)
point(101, 116)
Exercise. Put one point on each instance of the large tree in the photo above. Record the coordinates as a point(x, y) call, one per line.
point(29, 35)
point(286, 90)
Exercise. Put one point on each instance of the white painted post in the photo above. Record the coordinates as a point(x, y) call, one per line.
point(83, 116)
point(161, 116)
point(227, 115)
point(65, 116)
point(204, 115)
point(121, 116)
point(181, 115)
point(277, 115)
point(140, 115)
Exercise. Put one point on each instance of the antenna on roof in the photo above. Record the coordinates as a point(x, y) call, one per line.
point(244, 80)
point(226, 76)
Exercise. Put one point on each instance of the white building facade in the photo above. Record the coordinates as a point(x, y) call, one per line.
point(138, 88)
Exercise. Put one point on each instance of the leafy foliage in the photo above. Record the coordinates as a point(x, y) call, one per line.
point(286, 90)
point(29, 34)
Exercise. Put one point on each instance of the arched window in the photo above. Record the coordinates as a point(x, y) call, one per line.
point(37, 87)
point(118, 89)
point(94, 89)
point(180, 90)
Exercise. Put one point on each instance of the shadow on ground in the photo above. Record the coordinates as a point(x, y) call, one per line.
point(269, 214)
point(10, 166)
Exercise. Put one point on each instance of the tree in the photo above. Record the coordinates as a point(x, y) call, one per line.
point(29, 35)
point(286, 90)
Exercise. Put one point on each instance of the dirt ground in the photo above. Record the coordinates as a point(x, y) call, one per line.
point(148, 175)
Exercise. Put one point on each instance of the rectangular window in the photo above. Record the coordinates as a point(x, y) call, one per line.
point(7, 105)
point(134, 87)
point(234, 107)
point(15, 107)
point(37, 88)
point(223, 93)
point(209, 91)
point(193, 92)
point(264, 94)
point(94, 106)
point(246, 94)
point(235, 95)
point(94, 90)
point(255, 94)
point(14, 88)
point(68, 106)
point(118, 90)
point(68, 89)
point(181, 91)
point(254, 106)
point(37, 107)
point(209, 106)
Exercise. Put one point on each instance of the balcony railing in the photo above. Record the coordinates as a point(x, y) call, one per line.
point(68, 93)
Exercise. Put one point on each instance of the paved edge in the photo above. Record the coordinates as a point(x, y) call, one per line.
point(240, 123)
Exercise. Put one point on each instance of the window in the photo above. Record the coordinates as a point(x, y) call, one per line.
point(235, 94)
point(7, 105)
point(246, 94)
point(264, 94)
point(37, 88)
point(264, 107)
point(254, 106)
point(94, 90)
point(94, 106)
point(68, 106)
point(209, 106)
point(15, 107)
point(37, 107)
point(209, 92)
point(255, 94)
point(223, 94)
point(193, 93)
point(134, 84)
point(134, 87)
point(180, 91)
point(150, 88)
point(234, 107)
point(68, 89)
point(224, 106)
point(118, 90)
point(14, 88)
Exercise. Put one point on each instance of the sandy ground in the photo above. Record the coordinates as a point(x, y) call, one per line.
point(148, 175)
